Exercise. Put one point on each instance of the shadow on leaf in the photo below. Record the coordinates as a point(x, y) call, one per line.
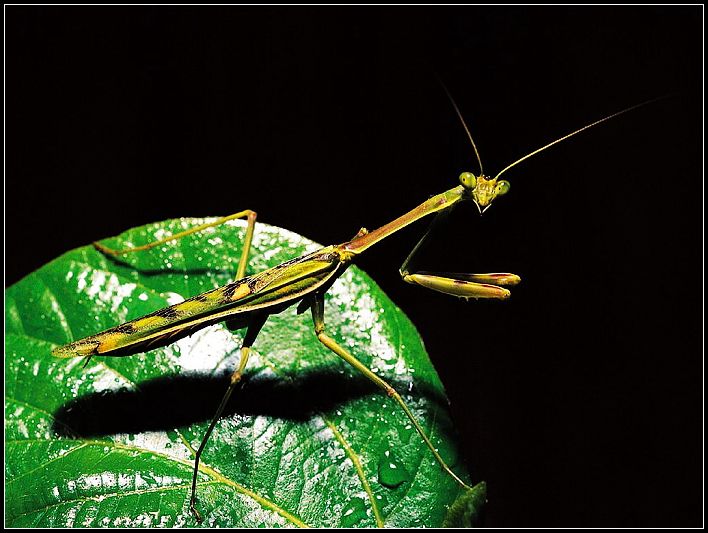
point(171, 402)
point(125, 262)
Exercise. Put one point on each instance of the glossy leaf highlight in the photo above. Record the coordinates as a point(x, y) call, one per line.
point(306, 441)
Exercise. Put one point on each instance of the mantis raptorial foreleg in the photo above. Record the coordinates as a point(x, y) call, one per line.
point(329, 342)
point(241, 271)
point(459, 284)
point(465, 285)
point(253, 329)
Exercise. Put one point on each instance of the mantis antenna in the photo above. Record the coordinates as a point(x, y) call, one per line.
point(464, 125)
point(576, 132)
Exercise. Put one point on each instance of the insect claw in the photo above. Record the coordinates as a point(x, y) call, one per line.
point(193, 508)
point(88, 358)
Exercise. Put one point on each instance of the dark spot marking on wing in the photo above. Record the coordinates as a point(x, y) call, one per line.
point(255, 284)
point(228, 291)
point(126, 329)
point(167, 312)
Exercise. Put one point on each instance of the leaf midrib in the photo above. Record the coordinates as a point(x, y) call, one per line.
point(356, 461)
point(204, 468)
point(216, 476)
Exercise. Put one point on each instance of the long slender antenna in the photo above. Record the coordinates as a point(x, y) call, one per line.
point(464, 125)
point(578, 131)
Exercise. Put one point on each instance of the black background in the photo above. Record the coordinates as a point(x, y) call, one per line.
point(579, 400)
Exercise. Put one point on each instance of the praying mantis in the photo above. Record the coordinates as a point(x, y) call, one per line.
point(248, 301)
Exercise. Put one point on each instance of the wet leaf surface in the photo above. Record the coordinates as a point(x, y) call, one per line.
point(305, 441)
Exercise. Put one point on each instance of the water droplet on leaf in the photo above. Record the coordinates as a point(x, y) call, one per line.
point(392, 473)
point(354, 512)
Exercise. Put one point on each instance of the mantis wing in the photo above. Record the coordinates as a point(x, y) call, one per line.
point(270, 291)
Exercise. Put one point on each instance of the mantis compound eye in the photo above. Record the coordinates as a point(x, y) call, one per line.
point(502, 188)
point(468, 180)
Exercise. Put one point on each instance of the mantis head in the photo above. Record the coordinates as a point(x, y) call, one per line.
point(482, 189)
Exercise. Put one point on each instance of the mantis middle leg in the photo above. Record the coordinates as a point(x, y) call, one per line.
point(329, 342)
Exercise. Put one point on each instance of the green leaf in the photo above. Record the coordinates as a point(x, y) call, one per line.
point(305, 441)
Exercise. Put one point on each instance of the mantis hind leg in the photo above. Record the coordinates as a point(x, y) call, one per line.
point(243, 261)
point(329, 342)
point(253, 329)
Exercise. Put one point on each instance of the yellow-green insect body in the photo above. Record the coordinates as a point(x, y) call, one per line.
point(282, 285)
point(248, 301)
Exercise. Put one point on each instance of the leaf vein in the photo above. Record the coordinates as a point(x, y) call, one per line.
point(359, 469)
point(40, 410)
point(417, 468)
point(215, 475)
point(72, 450)
point(100, 498)
point(348, 450)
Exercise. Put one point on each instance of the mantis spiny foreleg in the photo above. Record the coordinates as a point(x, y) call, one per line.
point(459, 284)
